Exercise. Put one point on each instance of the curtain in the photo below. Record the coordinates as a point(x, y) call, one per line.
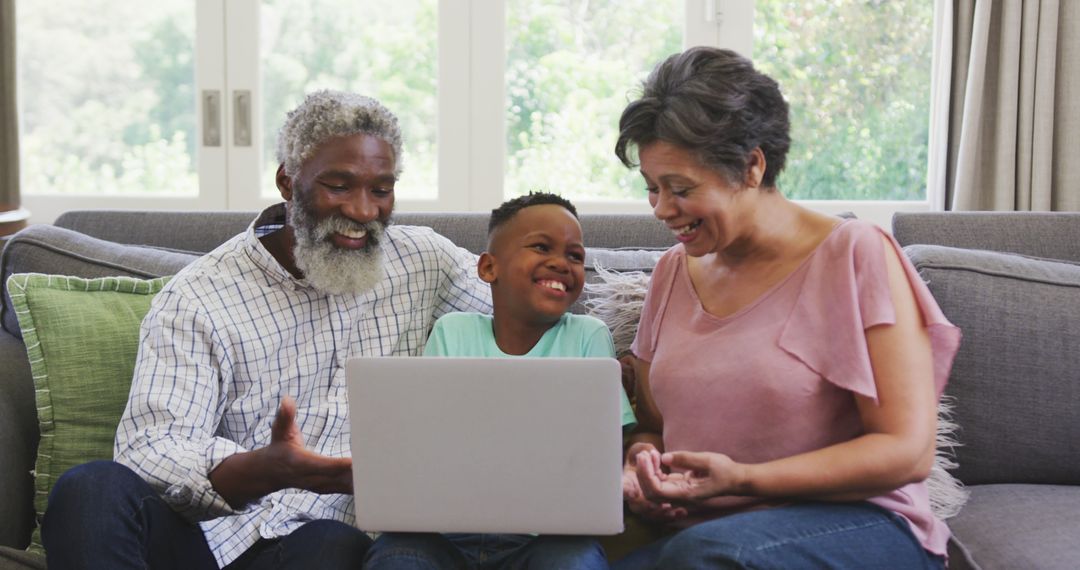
point(1012, 139)
point(9, 119)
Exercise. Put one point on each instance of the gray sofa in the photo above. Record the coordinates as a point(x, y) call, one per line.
point(1015, 379)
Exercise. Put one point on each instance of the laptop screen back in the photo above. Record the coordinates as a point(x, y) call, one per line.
point(508, 445)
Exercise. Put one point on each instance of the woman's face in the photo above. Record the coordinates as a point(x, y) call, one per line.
point(698, 204)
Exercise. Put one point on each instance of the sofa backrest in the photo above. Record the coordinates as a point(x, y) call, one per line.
point(99, 243)
point(1016, 377)
point(1053, 235)
point(197, 232)
point(203, 231)
point(608, 231)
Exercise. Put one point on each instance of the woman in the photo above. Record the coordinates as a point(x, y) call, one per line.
point(791, 361)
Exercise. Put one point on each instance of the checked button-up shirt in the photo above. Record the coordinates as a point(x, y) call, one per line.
point(234, 332)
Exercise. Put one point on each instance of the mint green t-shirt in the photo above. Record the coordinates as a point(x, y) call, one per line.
point(472, 334)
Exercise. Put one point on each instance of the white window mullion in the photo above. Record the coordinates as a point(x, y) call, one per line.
point(720, 23)
point(487, 162)
point(243, 127)
point(940, 85)
point(455, 127)
point(210, 88)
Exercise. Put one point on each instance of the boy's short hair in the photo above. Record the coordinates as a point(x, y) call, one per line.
point(510, 208)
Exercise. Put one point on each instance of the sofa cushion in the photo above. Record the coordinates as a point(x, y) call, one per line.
point(81, 338)
point(59, 251)
point(616, 298)
point(1016, 526)
point(1016, 377)
point(620, 259)
point(13, 559)
point(601, 261)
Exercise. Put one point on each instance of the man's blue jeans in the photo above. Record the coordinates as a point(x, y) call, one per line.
point(429, 551)
point(809, 535)
point(103, 515)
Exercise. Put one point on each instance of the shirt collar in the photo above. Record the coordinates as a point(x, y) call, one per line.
point(268, 221)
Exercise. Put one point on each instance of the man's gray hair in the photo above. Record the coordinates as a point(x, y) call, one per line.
point(326, 114)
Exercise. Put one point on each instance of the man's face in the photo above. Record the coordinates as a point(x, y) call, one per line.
point(339, 203)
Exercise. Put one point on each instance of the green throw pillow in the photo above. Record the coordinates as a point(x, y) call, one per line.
point(81, 337)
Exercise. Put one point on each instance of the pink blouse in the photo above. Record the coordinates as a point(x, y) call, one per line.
point(775, 378)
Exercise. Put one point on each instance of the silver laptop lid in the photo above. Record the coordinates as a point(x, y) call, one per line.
point(510, 445)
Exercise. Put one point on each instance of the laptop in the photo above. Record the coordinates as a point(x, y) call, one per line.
point(486, 445)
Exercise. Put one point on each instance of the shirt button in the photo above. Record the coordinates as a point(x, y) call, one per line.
point(178, 495)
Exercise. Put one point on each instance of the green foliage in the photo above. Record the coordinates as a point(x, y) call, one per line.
point(857, 76)
point(107, 97)
point(572, 65)
point(382, 48)
point(109, 108)
point(167, 60)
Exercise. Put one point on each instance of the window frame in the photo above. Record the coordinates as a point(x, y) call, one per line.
point(471, 142)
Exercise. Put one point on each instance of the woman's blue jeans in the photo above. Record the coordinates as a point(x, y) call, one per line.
point(430, 551)
point(103, 515)
point(808, 535)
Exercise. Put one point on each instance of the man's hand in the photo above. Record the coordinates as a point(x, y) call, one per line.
point(283, 464)
point(294, 466)
point(702, 475)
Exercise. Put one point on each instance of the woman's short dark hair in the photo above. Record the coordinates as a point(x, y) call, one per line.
point(714, 103)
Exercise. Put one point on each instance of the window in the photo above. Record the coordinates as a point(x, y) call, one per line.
point(856, 74)
point(570, 67)
point(176, 104)
point(107, 98)
point(382, 48)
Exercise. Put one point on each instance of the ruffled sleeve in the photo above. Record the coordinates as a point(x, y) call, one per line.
point(846, 291)
point(652, 310)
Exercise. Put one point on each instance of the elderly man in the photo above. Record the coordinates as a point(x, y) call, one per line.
point(234, 448)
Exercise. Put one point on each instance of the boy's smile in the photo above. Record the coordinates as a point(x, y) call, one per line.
point(535, 265)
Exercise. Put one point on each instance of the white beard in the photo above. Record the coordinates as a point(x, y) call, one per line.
point(329, 268)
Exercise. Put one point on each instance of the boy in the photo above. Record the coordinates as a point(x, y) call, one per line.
point(535, 265)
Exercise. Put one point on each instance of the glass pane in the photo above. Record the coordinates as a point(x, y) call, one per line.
point(107, 97)
point(571, 67)
point(381, 48)
point(857, 76)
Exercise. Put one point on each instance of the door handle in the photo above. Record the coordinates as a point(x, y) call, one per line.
point(211, 127)
point(242, 117)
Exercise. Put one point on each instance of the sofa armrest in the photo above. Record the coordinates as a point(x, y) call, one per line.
point(18, 443)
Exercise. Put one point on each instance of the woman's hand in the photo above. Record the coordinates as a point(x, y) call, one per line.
point(636, 499)
point(702, 475)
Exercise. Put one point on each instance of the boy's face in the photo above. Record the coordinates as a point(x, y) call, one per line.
point(535, 264)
